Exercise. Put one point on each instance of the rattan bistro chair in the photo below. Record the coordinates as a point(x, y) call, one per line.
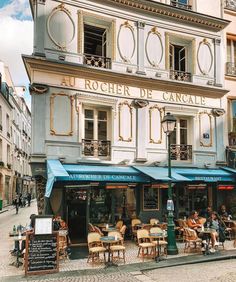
point(192, 241)
point(95, 246)
point(161, 242)
point(134, 228)
point(119, 224)
point(117, 247)
point(63, 247)
point(122, 231)
point(144, 243)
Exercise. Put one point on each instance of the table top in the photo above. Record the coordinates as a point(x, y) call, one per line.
point(158, 235)
point(109, 239)
point(206, 230)
point(110, 229)
point(13, 234)
point(103, 225)
point(22, 238)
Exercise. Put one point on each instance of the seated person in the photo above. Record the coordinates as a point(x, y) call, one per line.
point(213, 222)
point(223, 212)
point(59, 223)
point(206, 212)
point(193, 221)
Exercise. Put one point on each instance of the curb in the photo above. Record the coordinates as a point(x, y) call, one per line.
point(141, 267)
point(2, 211)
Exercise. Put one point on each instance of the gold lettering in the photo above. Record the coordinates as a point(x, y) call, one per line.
point(68, 81)
point(178, 97)
point(95, 85)
point(142, 93)
point(185, 98)
point(149, 94)
point(119, 89)
point(87, 84)
point(203, 100)
point(191, 100)
point(165, 96)
point(172, 97)
point(196, 100)
point(126, 90)
point(111, 88)
point(104, 87)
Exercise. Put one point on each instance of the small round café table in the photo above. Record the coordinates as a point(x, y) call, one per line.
point(109, 240)
point(207, 232)
point(158, 237)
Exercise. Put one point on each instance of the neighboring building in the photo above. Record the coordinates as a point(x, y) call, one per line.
point(15, 141)
point(103, 74)
point(230, 84)
point(5, 137)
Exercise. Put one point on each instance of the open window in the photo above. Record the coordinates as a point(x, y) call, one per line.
point(182, 4)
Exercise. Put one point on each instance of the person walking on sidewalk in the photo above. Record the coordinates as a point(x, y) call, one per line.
point(29, 198)
point(17, 203)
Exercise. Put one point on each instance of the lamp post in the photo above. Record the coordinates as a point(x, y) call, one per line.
point(168, 125)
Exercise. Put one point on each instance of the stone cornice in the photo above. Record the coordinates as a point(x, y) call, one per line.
point(82, 71)
point(172, 13)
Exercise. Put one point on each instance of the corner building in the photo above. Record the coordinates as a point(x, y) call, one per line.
point(103, 74)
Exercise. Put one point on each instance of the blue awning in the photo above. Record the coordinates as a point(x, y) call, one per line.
point(96, 173)
point(206, 175)
point(161, 173)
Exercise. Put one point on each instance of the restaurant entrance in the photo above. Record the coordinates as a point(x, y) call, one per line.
point(77, 211)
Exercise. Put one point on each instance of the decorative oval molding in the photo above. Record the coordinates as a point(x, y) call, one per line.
point(60, 9)
point(126, 25)
point(206, 68)
point(206, 134)
point(152, 125)
point(154, 32)
point(129, 120)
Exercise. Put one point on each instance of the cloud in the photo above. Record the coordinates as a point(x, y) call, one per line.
point(16, 39)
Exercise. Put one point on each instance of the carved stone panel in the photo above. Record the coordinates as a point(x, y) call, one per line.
point(205, 129)
point(61, 27)
point(154, 47)
point(125, 122)
point(155, 129)
point(61, 114)
point(204, 57)
point(126, 42)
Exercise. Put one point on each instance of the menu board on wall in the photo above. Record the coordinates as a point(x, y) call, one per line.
point(150, 198)
point(41, 255)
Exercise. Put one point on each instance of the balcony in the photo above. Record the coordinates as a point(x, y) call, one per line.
point(180, 5)
point(180, 75)
point(181, 152)
point(97, 61)
point(230, 68)
point(230, 4)
point(96, 148)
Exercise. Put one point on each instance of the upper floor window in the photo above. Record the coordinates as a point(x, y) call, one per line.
point(230, 4)
point(8, 125)
point(95, 141)
point(179, 140)
point(98, 39)
point(0, 117)
point(231, 55)
point(178, 62)
point(8, 154)
point(183, 4)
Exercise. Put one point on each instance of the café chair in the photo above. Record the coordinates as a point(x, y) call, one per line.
point(147, 227)
point(202, 220)
point(118, 247)
point(154, 221)
point(161, 242)
point(191, 239)
point(119, 224)
point(63, 246)
point(134, 228)
point(144, 243)
point(122, 231)
point(95, 247)
point(91, 228)
point(98, 230)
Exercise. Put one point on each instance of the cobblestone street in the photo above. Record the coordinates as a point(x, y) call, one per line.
point(80, 271)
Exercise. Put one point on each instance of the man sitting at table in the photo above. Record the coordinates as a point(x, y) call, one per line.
point(223, 212)
point(193, 221)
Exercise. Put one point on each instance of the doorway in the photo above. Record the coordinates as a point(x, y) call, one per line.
point(77, 212)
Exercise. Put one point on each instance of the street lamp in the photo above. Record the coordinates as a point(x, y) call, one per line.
point(168, 125)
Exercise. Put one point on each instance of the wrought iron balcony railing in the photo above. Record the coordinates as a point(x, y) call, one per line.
point(230, 68)
point(230, 4)
point(97, 61)
point(180, 5)
point(181, 152)
point(96, 148)
point(180, 75)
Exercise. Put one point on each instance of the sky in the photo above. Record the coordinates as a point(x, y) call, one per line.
point(16, 38)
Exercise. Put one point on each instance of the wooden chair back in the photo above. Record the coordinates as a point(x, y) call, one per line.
point(190, 234)
point(135, 221)
point(142, 235)
point(122, 230)
point(154, 221)
point(119, 224)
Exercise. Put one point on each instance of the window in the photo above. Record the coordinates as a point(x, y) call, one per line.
point(179, 140)
point(8, 124)
point(231, 55)
point(233, 109)
point(181, 54)
point(0, 117)
point(183, 4)
point(8, 154)
point(0, 149)
point(98, 36)
point(96, 133)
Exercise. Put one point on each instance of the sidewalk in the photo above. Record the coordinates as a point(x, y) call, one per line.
point(80, 267)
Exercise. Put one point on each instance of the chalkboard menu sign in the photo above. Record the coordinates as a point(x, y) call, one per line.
point(41, 255)
point(150, 198)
